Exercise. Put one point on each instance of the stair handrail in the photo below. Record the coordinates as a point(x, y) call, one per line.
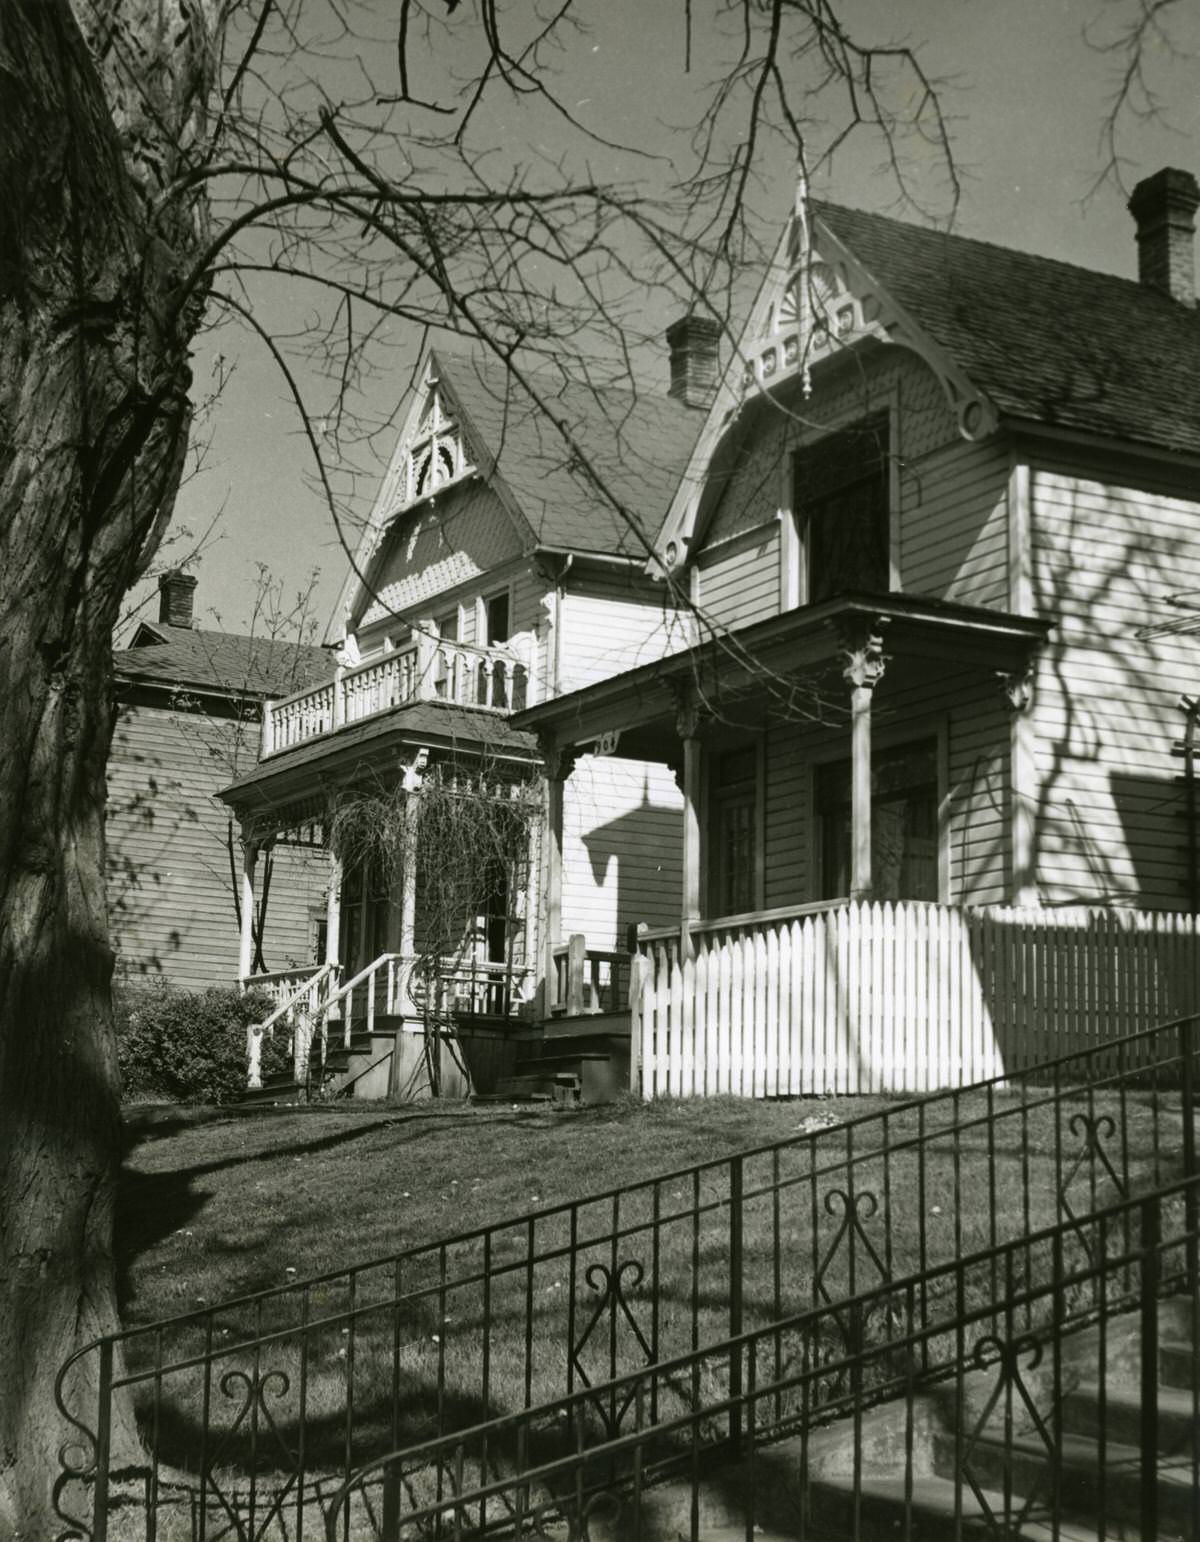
point(731, 1415)
point(256, 1032)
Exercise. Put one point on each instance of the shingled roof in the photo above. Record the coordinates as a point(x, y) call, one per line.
point(233, 664)
point(1045, 340)
point(637, 443)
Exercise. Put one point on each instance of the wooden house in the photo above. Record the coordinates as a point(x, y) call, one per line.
point(189, 706)
point(940, 536)
point(504, 563)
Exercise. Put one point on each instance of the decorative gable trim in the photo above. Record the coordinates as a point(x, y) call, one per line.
point(817, 301)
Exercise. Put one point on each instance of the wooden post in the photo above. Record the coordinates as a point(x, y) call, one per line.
point(266, 745)
point(691, 908)
point(862, 648)
point(339, 698)
point(246, 948)
point(1018, 692)
point(559, 762)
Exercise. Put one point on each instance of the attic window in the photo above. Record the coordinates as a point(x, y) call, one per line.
point(436, 455)
point(842, 499)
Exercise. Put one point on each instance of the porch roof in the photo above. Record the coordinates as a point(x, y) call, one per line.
point(741, 665)
point(285, 777)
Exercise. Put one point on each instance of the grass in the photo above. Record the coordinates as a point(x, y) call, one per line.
point(220, 1204)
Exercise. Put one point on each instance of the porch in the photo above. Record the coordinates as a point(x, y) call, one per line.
point(859, 909)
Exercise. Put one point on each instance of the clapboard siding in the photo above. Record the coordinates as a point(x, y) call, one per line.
point(605, 629)
point(1106, 551)
point(622, 838)
point(169, 889)
point(954, 524)
point(737, 582)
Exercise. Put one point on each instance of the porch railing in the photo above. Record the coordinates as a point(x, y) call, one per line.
point(898, 997)
point(495, 679)
point(321, 1012)
point(263, 1398)
point(1010, 1393)
point(589, 981)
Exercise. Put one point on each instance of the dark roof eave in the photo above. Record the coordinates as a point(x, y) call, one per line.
point(307, 766)
point(551, 717)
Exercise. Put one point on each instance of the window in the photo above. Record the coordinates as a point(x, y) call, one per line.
point(446, 625)
point(904, 823)
point(495, 618)
point(734, 824)
point(843, 505)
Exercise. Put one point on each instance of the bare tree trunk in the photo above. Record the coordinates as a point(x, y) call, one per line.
point(93, 421)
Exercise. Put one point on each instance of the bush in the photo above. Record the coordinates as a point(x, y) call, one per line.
point(189, 1046)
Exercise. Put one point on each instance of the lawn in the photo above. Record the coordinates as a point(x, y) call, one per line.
point(322, 1376)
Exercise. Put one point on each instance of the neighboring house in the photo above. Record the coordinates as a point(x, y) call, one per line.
point(189, 710)
point(504, 563)
point(933, 529)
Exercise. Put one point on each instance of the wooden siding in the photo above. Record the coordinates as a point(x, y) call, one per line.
point(606, 629)
point(1107, 550)
point(969, 717)
point(871, 998)
point(170, 902)
point(737, 581)
point(954, 523)
point(622, 839)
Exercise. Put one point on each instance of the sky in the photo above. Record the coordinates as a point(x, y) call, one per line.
point(1025, 97)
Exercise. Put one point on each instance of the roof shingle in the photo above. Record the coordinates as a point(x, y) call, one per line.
point(638, 444)
point(1047, 341)
point(228, 662)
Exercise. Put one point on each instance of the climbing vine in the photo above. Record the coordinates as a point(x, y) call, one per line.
point(463, 837)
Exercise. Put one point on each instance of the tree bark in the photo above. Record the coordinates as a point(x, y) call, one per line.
point(93, 424)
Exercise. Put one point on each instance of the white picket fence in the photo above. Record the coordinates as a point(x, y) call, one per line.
point(899, 997)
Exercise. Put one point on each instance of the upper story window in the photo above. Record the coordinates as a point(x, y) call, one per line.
point(843, 508)
point(496, 619)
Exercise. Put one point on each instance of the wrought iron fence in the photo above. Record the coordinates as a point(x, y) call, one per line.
point(256, 1405)
point(1068, 1397)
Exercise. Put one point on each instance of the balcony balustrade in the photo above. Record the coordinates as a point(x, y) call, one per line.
point(425, 669)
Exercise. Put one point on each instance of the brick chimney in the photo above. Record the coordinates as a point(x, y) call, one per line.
point(1163, 206)
point(693, 342)
point(175, 592)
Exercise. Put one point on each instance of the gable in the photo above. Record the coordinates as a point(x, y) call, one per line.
point(818, 307)
point(447, 541)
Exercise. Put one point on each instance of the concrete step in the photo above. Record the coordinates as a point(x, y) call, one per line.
point(1021, 1466)
point(928, 1509)
point(1122, 1415)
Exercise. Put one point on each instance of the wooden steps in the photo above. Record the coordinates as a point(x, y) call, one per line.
point(572, 1064)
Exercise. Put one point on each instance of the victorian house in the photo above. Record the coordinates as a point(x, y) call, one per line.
point(940, 533)
point(504, 564)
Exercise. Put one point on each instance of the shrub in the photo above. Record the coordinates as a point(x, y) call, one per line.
point(189, 1046)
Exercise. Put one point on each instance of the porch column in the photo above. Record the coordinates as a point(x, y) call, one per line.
point(862, 648)
point(687, 725)
point(246, 948)
point(414, 775)
point(333, 910)
point(1018, 692)
point(559, 762)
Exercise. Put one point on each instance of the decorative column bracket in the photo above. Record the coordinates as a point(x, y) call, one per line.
point(860, 641)
point(1017, 686)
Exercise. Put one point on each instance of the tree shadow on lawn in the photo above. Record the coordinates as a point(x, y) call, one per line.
point(153, 1205)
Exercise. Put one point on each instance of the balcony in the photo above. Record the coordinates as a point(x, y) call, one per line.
point(425, 669)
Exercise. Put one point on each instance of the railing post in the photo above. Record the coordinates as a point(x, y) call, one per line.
point(1150, 1272)
point(265, 746)
point(103, 1442)
point(254, 1057)
point(1187, 1097)
point(736, 1181)
point(338, 710)
point(576, 962)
